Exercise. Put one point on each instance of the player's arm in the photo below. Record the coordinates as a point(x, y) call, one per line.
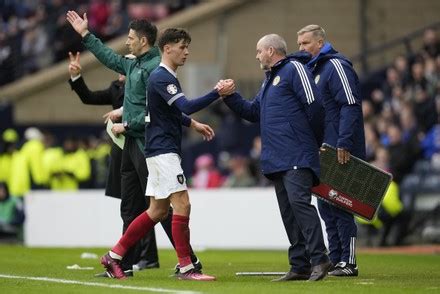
point(343, 87)
point(190, 106)
point(186, 120)
point(304, 86)
point(171, 92)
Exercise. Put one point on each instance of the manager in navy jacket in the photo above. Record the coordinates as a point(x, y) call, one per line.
point(344, 129)
point(287, 109)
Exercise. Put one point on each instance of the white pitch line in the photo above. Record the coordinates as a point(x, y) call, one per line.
point(114, 286)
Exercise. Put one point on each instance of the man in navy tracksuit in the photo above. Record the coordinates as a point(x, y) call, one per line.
point(287, 110)
point(344, 129)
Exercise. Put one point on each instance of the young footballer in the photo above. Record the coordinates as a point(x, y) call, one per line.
point(163, 135)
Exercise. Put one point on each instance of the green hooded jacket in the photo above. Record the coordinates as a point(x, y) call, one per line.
point(137, 72)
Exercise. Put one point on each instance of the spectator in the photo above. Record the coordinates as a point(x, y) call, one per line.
point(367, 110)
point(401, 65)
point(206, 174)
point(7, 149)
point(117, 23)
point(392, 80)
point(72, 169)
point(371, 141)
point(402, 155)
point(35, 51)
point(431, 43)
point(98, 15)
point(240, 175)
point(431, 142)
point(11, 213)
point(254, 164)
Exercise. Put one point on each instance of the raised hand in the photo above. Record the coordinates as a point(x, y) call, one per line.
point(205, 130)
point(78, 24)
point(74, 65)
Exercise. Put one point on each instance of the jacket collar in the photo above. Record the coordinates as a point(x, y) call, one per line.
point(276, 67)
point(300, 56)
point(325, 50)
point(153, 52)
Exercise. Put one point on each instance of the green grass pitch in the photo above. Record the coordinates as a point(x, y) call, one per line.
point(379, 273)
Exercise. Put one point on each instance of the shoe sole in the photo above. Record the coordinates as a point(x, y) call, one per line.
point(343, 275)
point(297, 278)
point(195, 279)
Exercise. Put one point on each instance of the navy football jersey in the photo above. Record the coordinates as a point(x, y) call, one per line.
point(163, 128)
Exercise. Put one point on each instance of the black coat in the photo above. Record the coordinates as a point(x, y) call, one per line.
point(114, 96)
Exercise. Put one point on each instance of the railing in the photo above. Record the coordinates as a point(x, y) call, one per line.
point(379, 49)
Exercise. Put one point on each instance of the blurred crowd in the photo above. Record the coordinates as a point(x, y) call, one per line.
point(402, 133)
point(35, 34)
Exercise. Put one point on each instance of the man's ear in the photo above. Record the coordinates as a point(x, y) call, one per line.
point(166, 48)
point(271, 51)
point(144, 41)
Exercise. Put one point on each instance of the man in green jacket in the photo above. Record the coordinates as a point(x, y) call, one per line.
point(140, 42)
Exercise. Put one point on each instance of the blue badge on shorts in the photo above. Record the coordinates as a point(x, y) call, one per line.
point(180, 179)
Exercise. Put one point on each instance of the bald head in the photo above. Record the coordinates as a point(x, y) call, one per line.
point(275, 41)
point(270, 49)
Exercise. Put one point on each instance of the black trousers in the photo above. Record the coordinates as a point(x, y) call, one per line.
point(113, 184)
point(300, 218)
point(133, 202)
point(134, 175)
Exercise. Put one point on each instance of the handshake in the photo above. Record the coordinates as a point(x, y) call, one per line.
point(225, 87)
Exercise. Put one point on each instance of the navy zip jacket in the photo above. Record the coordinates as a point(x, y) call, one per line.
point(338, 85)
point(286, 107)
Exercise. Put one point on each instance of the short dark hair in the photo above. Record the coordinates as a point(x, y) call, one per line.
point(144, 28)
point(173, 35)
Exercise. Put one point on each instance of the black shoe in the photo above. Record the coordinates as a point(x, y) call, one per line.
point(320, 271)
point(145, 264)
point(343, 269)
point(106, 274)
point(197, 268)
point(292, 276)
point(331, 268)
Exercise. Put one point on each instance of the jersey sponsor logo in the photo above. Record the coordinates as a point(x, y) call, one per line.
point(180, 179)
point(276, 80)
point(172, 89)
point(317, 79)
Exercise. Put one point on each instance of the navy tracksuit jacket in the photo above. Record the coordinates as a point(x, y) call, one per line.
point(290, 119)
point(344, 128)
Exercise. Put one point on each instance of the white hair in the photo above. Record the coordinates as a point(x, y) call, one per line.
point(275, 41)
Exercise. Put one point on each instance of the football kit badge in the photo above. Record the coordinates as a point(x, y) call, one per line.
point(181, 179)
point(172, 89)
point(317, 79)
